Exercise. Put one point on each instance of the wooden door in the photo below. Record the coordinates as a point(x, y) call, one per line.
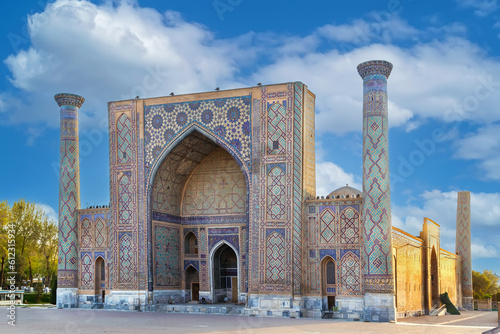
point(234, 289)
point(195, 291)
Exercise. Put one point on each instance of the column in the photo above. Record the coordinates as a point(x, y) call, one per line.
point(378, 272)
point(463, 247)
point(69, 201)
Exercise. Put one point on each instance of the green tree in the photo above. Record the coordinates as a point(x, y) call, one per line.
point(48, 249)
point(4, 219)
point(484, 284)
point(493, 288)
point(480, 283)
point(26, 218)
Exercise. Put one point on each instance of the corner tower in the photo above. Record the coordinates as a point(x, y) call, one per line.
point(463, 246)
point(378, 272)
point(69, 200)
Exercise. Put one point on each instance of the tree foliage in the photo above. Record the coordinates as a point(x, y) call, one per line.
point(484, 284)
point(34, 237)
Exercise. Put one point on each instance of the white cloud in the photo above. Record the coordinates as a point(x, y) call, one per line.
point(49, 211)
point(481, 7)
point(112, 53)
point(384, 28)
point(3, 104)
point(33, 134)
point(449, 80)
point(330, 177)
point(441, 207)
point(482, 251)
point(482, 145)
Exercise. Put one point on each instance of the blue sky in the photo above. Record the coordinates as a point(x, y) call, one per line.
point(444, 92)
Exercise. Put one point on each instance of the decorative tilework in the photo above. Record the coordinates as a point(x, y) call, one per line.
point(126, 272)
point(349, 226)
point(298, 190)
point(376, 183)
point(99, 254)
point(124, 137)
point(226, 230)
point(275, 255)
point(167, 256)
point(350, 274)
point(124, 199)
point(69, 190)
point(101, 235)
point(230, 239)
point(87, 271)
point(193, 263)
point(216, 187)
point(463, 240)
point(276, 128)
point(327, 225)
point(226, 120)
point(325, 252)
point(276, 194)
point(86, 233)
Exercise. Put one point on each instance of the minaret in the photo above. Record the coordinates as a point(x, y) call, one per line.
point(378, 272)
point(463, 247)
point(69, 201)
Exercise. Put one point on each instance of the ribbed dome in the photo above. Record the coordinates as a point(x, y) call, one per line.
point(346, 192)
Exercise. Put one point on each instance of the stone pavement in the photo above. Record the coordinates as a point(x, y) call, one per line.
point(44, 320)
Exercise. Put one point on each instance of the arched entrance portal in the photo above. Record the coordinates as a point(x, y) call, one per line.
point(192, 284)
point(198, 197)
point(100, 279)
point(328, 279)
point(434, 279)
point(225, 274)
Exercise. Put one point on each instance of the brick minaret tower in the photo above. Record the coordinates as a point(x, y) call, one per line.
point(463, 246)
point(69, 201)
point(378, 272)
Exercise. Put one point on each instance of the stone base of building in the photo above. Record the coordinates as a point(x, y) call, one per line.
point(410, 314)
point(126, 300)
point(468, 303)
point(274, 306)
point(379, 307)
point(164, 297)
point(67, 297)
point(351, 308)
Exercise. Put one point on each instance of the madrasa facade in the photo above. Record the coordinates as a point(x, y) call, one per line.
point(213, 202)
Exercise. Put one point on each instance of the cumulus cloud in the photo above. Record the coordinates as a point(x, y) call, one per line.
point(112, 53)
point(330, 176)
point(482, 145)
point(481, 251)
point(481, 7)
point(119, 50)
point(441, 207)
point(379, 26)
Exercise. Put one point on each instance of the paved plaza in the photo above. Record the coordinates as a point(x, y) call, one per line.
point(35, 320)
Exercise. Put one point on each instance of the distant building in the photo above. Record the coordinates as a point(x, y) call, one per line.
point(213, 199)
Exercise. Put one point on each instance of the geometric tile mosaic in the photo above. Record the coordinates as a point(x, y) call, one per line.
point(276, 193)
point(275, 249)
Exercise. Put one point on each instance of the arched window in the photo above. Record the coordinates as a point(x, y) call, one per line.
point(330, 272)
point(190, 244)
